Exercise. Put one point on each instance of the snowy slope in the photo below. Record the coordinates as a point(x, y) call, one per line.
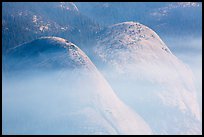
point(136, 57)
point(67, 82)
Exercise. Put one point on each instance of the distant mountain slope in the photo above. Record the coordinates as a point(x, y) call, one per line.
point(138, 63)
point(167, 18)
point(25, 21)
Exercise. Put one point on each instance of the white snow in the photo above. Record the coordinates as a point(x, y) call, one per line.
point(34, 18)
point(68, 6)
point(44, 27)
point(64, 28)
point(188, 4)
point(164, 11)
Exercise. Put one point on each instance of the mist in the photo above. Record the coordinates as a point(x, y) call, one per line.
point(65, 102)
point(189, 50)
point(102, 68)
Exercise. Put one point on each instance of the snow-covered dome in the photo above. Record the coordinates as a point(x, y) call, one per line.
point(50, 52)
point(128, 37)
point(71, 94)
point(137, 55)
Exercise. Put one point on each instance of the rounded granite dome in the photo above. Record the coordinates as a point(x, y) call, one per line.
point(133, 54)
point(79, 95)
point(124, 43)
point(127, 34)
point(49, 53)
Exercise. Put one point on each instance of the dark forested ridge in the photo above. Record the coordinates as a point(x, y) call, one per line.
point(23, 22)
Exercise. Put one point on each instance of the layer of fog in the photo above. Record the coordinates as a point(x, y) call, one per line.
point(146, 96)
point(189, 50)
point(65, 102)
point(32, 99)
point(169, 108)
